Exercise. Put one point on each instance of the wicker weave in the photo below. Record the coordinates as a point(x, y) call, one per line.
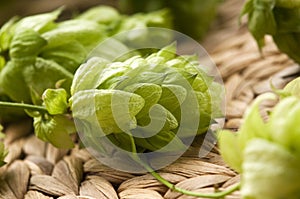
point(36, 170)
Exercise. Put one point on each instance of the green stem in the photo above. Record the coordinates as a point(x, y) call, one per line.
point(23, 106)
point(172, 186)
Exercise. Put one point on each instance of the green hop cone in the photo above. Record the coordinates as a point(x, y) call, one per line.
point(270, 171)
point(266, 153)
point(150, 99)
point(280, 19)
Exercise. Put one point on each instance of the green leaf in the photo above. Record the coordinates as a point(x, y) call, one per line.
point(38, 22)
point(55, 130)
point(247, 9)
point(55, 101)
point(12, 82)
point(88, 33)
point(26, 44)
point(101, 14)
point(69, 55)
point(261, 20)
point(230, 151)
point(113, 50)
point(114, 110)
point(36, 98)
point(141, 36)
point(6, 34)
point(45, 74)
point(269, 171)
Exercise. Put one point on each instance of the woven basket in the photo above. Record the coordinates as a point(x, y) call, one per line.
point(36, 170)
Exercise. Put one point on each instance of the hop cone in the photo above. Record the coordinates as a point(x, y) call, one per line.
point(151, 98)
point(280, 19)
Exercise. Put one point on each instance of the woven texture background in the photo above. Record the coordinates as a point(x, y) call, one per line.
point(36, 170)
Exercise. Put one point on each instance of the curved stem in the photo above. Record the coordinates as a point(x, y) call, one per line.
point(172, 186)
point(23, 106)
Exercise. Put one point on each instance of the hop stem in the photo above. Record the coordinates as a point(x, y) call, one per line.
point(172, 186)
point(23, 106)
